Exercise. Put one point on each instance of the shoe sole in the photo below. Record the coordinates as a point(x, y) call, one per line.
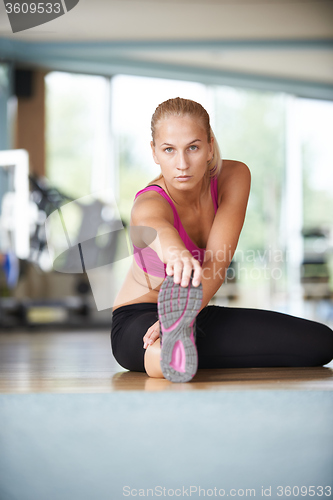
point(177, 310)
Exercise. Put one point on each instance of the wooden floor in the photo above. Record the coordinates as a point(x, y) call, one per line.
point(82, 362)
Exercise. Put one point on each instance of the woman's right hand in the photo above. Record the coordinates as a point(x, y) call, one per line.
point(151, 334)
point(180, 265)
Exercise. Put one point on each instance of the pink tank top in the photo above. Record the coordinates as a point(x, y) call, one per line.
point(147, 259)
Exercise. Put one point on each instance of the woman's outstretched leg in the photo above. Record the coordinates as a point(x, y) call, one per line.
point(226, 338)
point(230, 337)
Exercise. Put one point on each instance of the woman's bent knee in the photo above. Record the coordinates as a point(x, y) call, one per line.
point(152, 360)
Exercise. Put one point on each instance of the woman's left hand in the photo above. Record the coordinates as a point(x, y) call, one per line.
point(151, 334)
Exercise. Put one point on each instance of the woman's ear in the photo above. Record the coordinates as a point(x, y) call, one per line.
point(154, 153)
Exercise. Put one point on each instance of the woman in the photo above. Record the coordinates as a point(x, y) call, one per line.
point(185, 226)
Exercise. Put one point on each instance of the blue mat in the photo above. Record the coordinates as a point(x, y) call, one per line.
point(125, 444)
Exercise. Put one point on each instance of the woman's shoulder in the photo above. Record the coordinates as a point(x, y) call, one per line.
point(149, 202)
point(232, 173)
point(151, 191)
point(232, 167)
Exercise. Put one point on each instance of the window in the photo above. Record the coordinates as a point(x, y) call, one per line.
point(78, 159)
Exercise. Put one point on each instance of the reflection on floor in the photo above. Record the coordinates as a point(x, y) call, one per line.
point(82, 362)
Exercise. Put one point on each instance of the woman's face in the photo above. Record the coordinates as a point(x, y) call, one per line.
point(182, 150)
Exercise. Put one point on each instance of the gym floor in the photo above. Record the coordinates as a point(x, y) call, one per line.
point(82, 362)
point(75, 425)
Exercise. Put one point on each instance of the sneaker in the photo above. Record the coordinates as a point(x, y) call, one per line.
point(178, 307)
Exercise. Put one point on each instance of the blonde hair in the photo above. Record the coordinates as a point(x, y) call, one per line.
point(182, 107)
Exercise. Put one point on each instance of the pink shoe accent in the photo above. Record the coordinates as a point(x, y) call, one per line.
point(192, 337)
point(178, 359)
point(192, 332)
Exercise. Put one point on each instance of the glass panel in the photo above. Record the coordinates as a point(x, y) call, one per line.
point(250, 127)
point(77, 118)
point(316, 119)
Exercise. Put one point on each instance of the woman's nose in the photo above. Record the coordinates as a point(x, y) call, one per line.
point(182, 162)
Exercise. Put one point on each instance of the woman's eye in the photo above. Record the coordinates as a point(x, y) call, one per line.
point(193, 148)
point(168, 150)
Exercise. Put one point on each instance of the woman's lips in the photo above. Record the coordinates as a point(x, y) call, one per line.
point(184, 178)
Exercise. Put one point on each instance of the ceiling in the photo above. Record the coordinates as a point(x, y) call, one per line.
point(271, 44)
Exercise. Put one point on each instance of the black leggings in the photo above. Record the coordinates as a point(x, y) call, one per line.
point(229, 337)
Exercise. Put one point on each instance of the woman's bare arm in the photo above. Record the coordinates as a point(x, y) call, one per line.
point(228, 222)
point(151, 212)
